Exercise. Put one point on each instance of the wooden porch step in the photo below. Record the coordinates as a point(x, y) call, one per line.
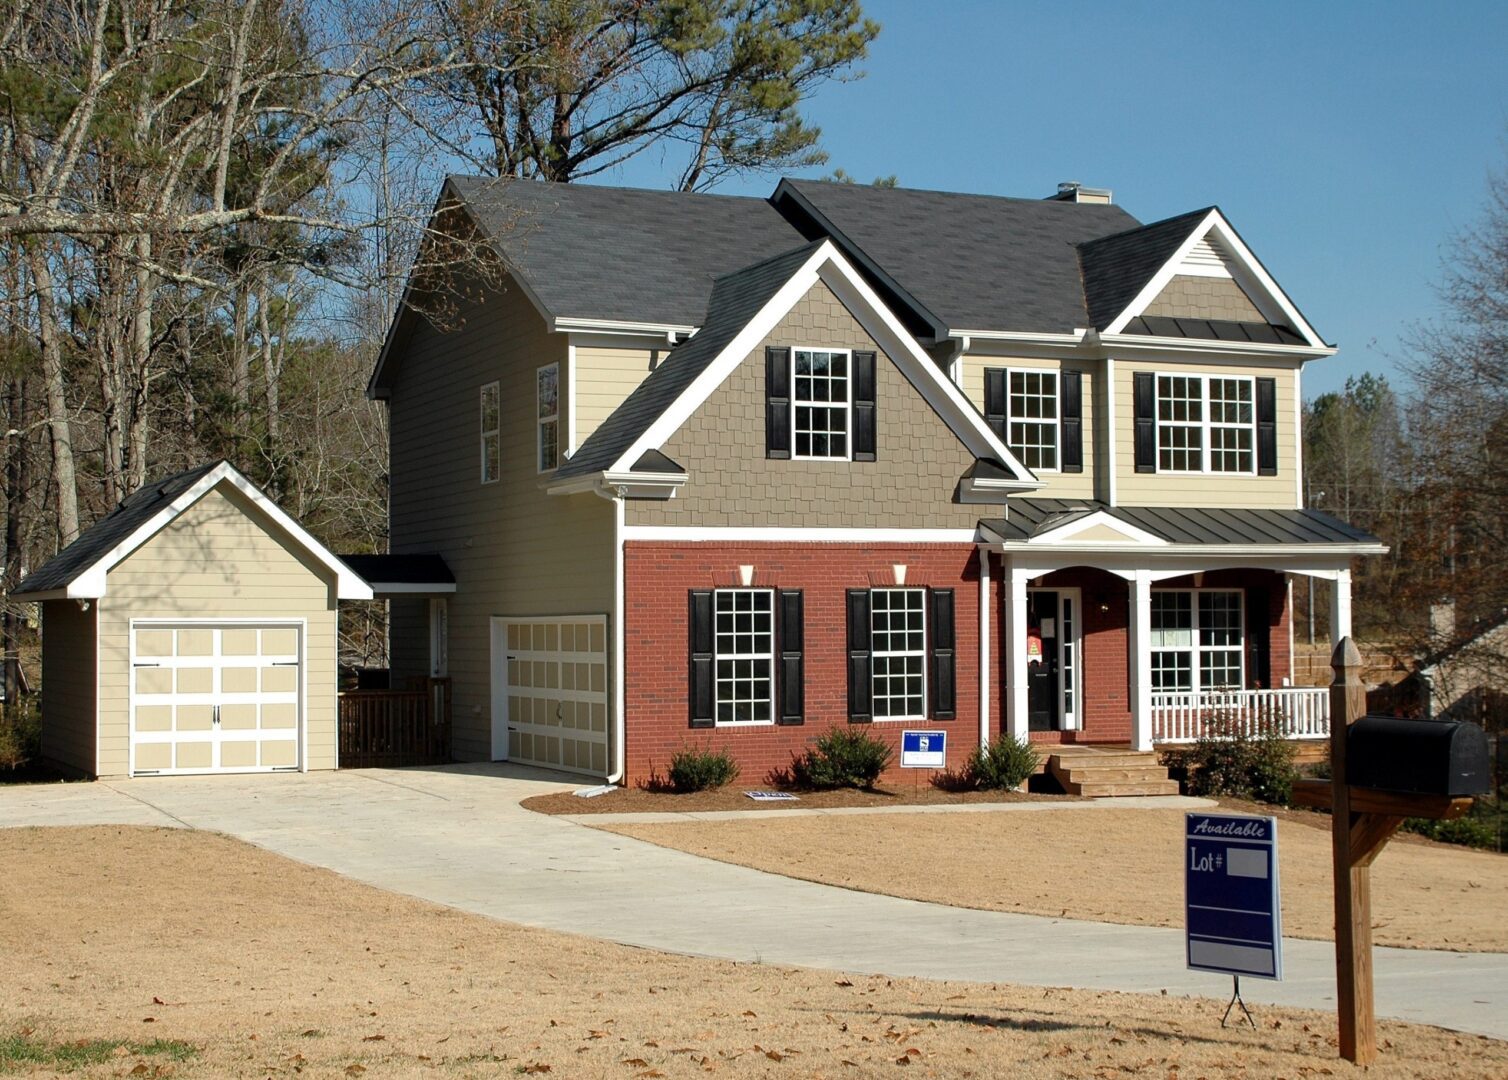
point(1104, 773)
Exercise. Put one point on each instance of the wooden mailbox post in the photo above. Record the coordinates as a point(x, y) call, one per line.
point(1362, 821)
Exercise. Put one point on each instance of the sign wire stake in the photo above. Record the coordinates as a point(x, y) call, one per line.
point(1236, 1000)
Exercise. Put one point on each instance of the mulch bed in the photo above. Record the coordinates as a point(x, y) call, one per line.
point(639, 800)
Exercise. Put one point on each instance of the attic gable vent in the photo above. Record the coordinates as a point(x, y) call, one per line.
point(1208, 258)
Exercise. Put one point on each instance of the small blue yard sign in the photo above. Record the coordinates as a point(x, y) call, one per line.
point(924, 749)
point(1232, 917)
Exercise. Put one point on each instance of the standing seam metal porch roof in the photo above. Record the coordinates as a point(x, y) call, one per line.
point(1029, 518)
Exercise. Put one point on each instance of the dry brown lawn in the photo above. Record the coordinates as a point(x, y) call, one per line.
point(265, 967)
point(1120, 866)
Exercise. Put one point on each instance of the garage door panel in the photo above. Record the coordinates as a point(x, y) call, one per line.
point(210, 698)
point(556, 699)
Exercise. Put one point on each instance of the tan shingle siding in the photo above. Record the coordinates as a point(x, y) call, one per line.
point(514, 550)
point(732, 483)
point(217, 560)
point(1191, 297)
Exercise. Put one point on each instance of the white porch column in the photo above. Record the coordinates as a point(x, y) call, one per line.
point(985, 611)
point(1015, 650)
point(1340, 607)
point(1141, 660)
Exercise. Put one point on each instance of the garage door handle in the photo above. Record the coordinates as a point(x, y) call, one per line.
point(217, 716)
point(146, 663)
point(285, 663)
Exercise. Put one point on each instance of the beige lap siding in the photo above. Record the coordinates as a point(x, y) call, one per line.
point(732, 483)
point(1278, 492)
point(514, 549)
point(604, 379)
point(68, 655)
point(217, 560)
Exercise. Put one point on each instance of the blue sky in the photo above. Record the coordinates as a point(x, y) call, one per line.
point(1345, 141)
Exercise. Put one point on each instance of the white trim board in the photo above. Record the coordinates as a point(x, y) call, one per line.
point(781, 534)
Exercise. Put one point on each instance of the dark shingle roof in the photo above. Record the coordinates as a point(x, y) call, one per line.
point(96, 541)
point(422, 569)
point(1183, 525)
point(1117, 267)
point(620, 253)
point(736, 298)
point(975, 262)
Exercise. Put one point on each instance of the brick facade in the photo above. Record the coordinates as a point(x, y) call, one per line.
point(658, 577)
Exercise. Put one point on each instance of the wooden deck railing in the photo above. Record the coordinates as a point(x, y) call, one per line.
point(389, 728)
point(1298, 712)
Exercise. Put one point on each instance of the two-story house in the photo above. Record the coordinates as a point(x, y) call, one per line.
point(728, 471)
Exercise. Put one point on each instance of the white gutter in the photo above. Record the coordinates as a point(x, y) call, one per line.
point(617, 618)
point(984, 645)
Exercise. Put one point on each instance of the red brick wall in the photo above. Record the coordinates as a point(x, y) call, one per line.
point(659, 575)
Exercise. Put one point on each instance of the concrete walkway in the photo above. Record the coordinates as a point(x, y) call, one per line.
point(457, 836)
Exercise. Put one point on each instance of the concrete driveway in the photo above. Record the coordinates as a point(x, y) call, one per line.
point(457, 836)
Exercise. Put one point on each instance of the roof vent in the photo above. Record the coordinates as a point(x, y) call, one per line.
point(1073, 191)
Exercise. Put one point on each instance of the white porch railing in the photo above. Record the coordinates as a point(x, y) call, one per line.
point(1299, 712)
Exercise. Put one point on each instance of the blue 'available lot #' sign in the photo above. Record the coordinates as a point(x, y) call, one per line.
point(1232, 916)
point(924, 749)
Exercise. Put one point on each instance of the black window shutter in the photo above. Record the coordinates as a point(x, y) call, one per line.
point(1071, 419)
point(1258, 645)
point(701, 695)
point(1267, 427)
point(791, 681)
point(863, 406)
point(860, 688)
point(777, 395)
point(994, 401)
point(944, 696)
point(1144, 403)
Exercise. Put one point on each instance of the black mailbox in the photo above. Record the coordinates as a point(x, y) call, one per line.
point(1426, 757)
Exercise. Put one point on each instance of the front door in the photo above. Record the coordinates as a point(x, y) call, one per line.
point(1043, 699)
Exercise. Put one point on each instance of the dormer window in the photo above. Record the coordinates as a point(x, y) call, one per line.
point(819, 400)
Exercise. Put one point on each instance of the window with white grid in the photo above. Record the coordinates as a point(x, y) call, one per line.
point(1180, 423)
point(1232, 425)
point(547, 410)
point(1197, 640)
point(1033, 406)
point(744, 652)
point(898, 647)
point(819, 403)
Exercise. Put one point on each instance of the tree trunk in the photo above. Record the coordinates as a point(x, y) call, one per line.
point(54, 378)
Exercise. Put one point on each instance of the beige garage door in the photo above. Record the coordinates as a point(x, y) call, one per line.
point(214, 698)
point(553, 697)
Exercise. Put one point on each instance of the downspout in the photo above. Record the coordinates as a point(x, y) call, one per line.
point(953, 364)
point(618, 619)
point(984, 646)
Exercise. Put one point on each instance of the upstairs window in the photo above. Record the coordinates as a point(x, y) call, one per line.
point(1205, 424)
point(1033, 418)
point(491, 433)
point(820, 398)
point(547, 409)
point(1039, 415)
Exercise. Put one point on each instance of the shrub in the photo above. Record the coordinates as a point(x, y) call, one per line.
point(693, 769)
point(842, 757)
point(1466, 831)
point(1004, 765)
point(1229, 760)
point(20, 735)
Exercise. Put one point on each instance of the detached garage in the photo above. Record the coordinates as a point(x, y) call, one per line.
point(192, 630)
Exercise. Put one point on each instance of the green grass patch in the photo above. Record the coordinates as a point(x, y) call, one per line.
point(21, 1051)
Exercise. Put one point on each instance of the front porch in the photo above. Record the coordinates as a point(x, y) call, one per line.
point(1143, 627)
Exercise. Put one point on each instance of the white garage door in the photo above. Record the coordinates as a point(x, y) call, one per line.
point(214, 698)
point(550, 691)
